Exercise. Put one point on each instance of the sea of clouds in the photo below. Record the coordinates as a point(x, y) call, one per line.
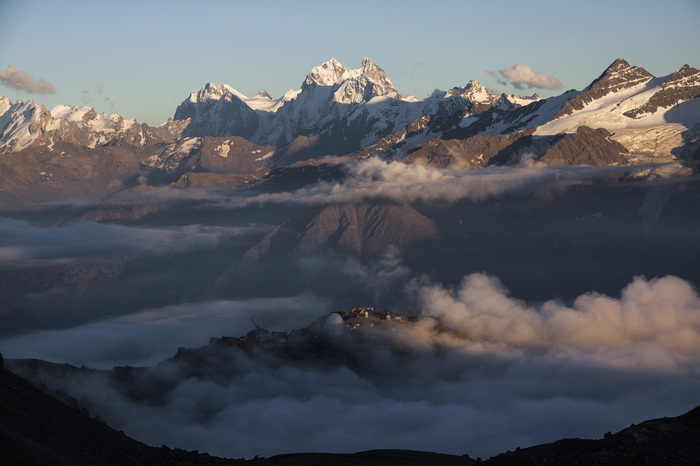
point(495, 374)
point(484, 372)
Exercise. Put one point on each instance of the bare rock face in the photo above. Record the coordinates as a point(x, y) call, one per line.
point(682, 85)
point(586, 147)
point(232, 155)
point(65, 172)
point(362, 227)
point(473, 152)
point(617, 77)
point(367, 227)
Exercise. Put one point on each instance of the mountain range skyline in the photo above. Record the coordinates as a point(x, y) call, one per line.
point(527, 235)
point(626, 116)
point(136, 71)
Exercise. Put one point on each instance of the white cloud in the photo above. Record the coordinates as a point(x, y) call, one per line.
point(662, 313)
point(374, 178)
point(522, 76)
point(509, 374)
point(20, 80)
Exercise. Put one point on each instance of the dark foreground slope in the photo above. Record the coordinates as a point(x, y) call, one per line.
point(36, 428)
point(665, 441)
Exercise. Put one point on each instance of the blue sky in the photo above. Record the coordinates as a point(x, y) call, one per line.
point(142, 58)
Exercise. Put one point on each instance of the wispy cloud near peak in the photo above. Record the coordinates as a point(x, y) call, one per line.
point(22, 81)
point(522, 77)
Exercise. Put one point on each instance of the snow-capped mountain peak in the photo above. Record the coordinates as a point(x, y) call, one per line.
point(327, 74)
point(86, 117)
point(372, 71)
point(25, 124)
point(474, 91)
point(618, 66)
point(5, 104)
point(21, 125)
point(618, 77)
point(475, 86)
point(621, 75)
point(681, 86)
point(512, 101)
point(211, 91)
point(685, 77)
point(352, 86)
point(290, 95)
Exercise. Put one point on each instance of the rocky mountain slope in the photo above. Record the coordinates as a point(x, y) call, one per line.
point(344, 112)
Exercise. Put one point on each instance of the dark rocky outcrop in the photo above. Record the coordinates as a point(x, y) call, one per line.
point(36, 428)
point(655, 442)
point(474, 152)
point(586, 147)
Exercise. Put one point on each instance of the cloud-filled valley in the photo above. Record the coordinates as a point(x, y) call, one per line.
point(25, 244)
point(478, 382)
point(507, 356)
point(505, 270)
point(552, 303)
point(396, 181)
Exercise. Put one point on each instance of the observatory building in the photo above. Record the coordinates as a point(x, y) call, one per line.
point(334, 324)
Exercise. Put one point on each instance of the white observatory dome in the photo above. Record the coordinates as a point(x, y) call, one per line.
point(334, 319)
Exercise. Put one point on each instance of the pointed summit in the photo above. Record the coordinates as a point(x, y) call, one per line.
point(263, 94)
point(617, 66)
point(621, 75)
point(373, 72)
point(479, 97)
point(5, 104)
point(686, 76)
point(368, 65)
point(682, 85)
point(352, 86)
point(365, 83)
point(617, 77)
point(327, 74)
point(217, 111)
point(211, 91)
point(474, 85)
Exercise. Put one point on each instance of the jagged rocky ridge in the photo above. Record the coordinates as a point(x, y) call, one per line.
point(339, 111)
